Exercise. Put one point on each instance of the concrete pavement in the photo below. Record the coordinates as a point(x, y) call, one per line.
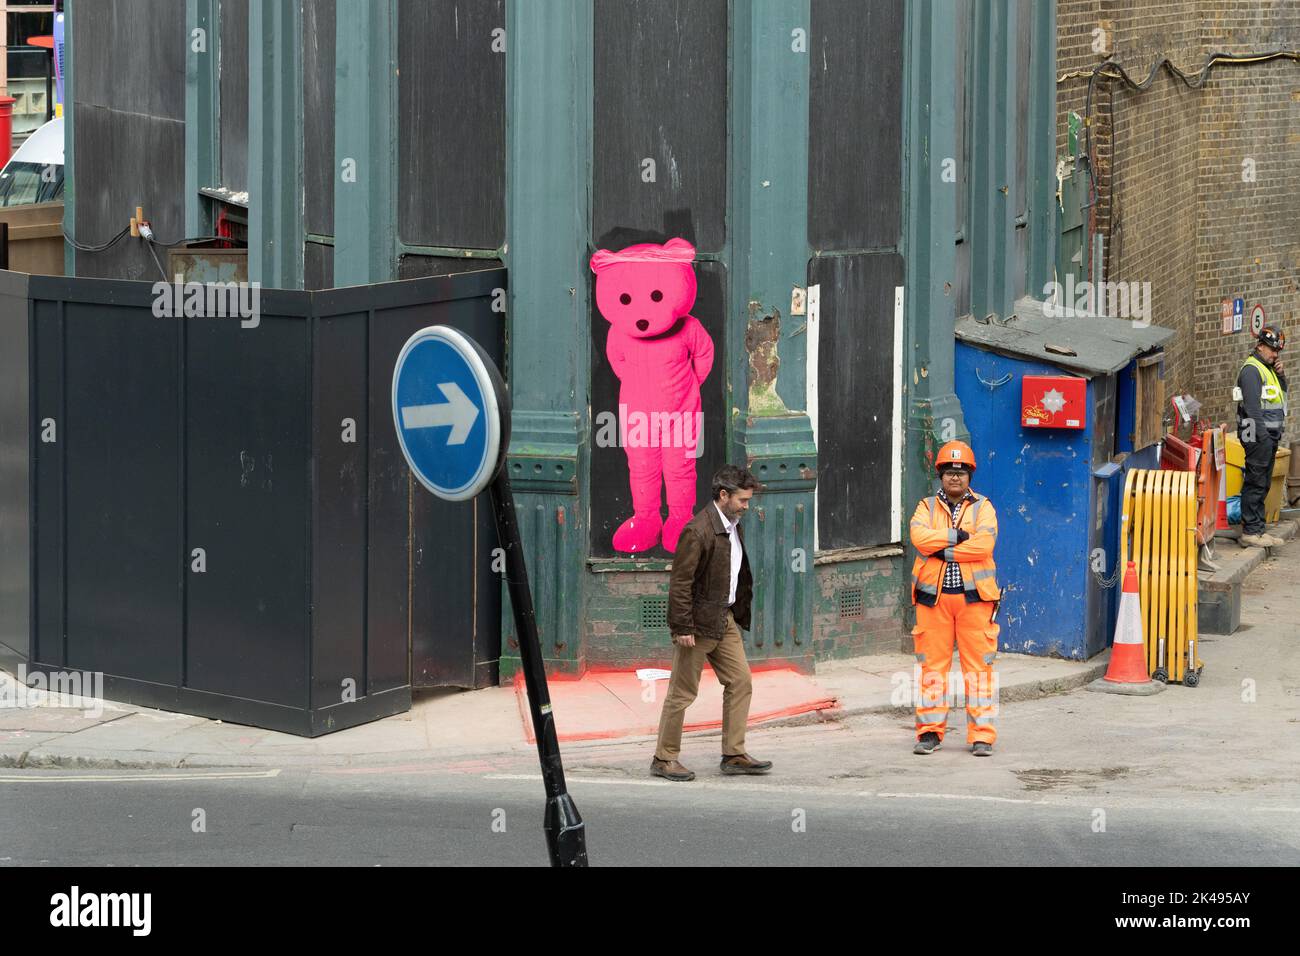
point(456, 728)
point(443, 725)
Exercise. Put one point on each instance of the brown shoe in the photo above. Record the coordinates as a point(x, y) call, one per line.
point(744, 763)
point(670, 770)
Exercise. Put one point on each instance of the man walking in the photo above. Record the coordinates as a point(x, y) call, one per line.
point(956, 595)
point(1261, 414)
point(708, 603)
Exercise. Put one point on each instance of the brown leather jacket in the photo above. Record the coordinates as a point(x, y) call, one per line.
point(701, 581)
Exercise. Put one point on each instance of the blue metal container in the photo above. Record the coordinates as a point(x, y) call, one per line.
point(1057, 492)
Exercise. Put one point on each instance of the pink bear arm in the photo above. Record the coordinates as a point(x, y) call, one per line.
point(700, 345)
point(615, 351)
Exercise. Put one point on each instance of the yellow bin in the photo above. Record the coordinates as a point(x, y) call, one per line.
point(1236, 456)
point(1277, 486)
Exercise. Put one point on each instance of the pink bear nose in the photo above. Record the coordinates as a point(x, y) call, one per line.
point(642, 324)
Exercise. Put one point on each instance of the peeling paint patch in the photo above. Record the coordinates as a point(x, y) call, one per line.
point(762, 334)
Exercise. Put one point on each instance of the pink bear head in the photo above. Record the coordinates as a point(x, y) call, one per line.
point(642, 290)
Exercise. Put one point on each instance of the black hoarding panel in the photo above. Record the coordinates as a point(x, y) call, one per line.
point(49, 421)
point(230, 505)
point(247, 472)
point(611, 501)
point(855, 116)
point(120, 440)
point(451, 122)
point(339, 480)
point(451, 562)
point(660, 122)
point(445, 582)
point(391, 493)
point(855, 403)
point(15, 479)
point(233, 96)
point(318, 26)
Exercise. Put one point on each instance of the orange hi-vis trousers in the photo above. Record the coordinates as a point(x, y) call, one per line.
point(953, 618)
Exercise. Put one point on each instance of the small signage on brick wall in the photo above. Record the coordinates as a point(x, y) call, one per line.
point(1256, 319)
point(1238, 314)
point(1226, 315)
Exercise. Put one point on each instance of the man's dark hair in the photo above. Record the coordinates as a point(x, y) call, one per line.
point(733, 478)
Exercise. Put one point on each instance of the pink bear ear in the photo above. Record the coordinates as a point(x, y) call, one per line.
point(680, 250)
point(602, 260)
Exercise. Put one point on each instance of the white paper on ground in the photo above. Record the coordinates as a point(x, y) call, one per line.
point(653, 673)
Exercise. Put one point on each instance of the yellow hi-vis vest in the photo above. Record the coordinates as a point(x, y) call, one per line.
point(1272, 397)
point(935, 539)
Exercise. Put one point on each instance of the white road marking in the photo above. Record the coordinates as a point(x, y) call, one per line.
point(583, 780)
point(766, 788)
point(954, 796)
point(180, 774)
point(1061, 802)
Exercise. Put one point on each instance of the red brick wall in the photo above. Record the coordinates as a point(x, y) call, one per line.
point(1172, 204)
point(1249, 233)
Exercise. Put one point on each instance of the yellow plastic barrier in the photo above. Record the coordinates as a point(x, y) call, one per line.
point(1158, 533)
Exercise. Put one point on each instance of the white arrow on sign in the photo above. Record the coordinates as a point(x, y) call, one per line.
point(458, 412)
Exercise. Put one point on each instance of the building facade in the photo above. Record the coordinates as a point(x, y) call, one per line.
point(853, 178)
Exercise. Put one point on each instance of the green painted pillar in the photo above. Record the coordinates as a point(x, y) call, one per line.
point(275, 181)
point(766, 349)
point(69, 142)
point(365, 142)
point(933, 413)
point(1042, 150)
point(548, 143)
point(202, 82)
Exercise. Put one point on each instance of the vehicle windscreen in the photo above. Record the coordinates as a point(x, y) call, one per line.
point(24, 183)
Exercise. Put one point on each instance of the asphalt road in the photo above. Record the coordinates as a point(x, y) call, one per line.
point(418, 817)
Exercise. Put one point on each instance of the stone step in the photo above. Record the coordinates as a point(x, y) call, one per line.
point(1219, 592)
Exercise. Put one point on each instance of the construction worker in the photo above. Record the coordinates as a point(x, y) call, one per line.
point(956, 595)
point(1261, 413)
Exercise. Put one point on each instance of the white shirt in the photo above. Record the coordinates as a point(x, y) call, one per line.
point(736, 552)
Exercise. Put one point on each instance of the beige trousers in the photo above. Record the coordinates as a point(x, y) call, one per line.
point(728, 659)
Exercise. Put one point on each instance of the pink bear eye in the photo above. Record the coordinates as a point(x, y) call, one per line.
point(656, 296)
point(625, 299)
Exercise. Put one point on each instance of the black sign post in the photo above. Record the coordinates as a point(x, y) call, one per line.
point(452, 414)
point(566, 834)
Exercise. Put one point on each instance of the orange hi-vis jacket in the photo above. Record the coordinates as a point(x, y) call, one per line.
point(936, 539)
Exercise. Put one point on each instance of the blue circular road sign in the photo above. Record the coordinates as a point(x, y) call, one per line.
point(448, 406)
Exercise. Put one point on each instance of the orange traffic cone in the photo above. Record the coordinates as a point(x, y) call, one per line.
point(1127, 671)
point(1221, 519)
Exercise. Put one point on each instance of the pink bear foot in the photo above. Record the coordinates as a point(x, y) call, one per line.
point(673, 529)
point(638, 533)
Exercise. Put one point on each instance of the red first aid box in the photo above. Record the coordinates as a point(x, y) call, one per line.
point(1053, 401)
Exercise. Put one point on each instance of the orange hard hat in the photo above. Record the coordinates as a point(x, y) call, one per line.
point(957, 454)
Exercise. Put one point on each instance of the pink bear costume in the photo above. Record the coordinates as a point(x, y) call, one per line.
point(660, 354)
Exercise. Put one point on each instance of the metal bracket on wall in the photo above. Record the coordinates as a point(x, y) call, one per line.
point(549, 473)
point(785, 474)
